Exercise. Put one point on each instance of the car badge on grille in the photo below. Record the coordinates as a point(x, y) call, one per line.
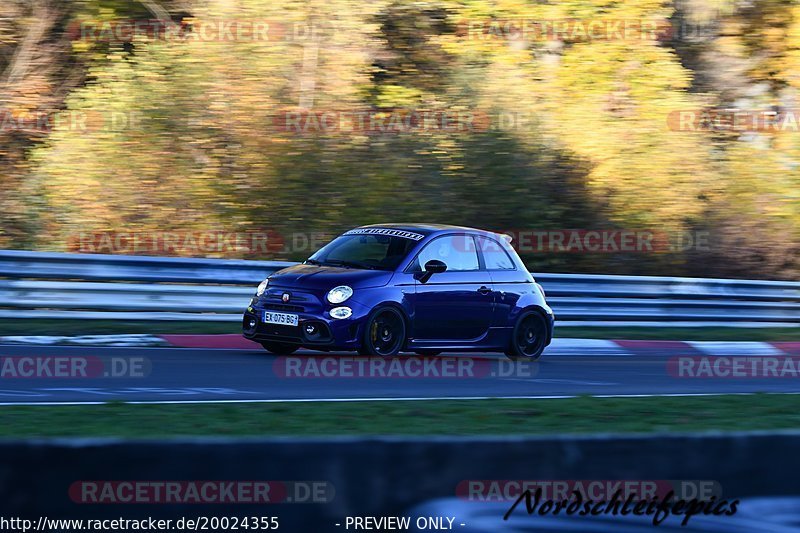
point(285, 297)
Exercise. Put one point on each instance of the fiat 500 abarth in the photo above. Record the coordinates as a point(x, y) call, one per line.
point(387, 288)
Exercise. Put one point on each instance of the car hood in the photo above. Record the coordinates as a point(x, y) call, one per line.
point(316, 277)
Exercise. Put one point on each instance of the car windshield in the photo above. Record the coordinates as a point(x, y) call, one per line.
point(374, 252)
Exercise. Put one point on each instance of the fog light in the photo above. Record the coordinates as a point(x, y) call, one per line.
point(252, 323)
point(341, 312)
point(311, 329)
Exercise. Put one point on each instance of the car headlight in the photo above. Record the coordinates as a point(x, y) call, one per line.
point(339, 294)
point(341, 312)
point(262, 287)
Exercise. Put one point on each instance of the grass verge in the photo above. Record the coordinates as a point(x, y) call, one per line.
point(435, 417)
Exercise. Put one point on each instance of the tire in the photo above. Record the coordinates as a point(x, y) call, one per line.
point(280, 348)
point(428, 353)
point(384, 334)
point(528, 338)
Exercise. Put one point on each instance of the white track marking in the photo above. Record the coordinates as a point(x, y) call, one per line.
point(563, 381)
point(123, 341)
point(584, 347)
point(411, 399)
point(724, 348)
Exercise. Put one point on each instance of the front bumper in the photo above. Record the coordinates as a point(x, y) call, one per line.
point(315, 326)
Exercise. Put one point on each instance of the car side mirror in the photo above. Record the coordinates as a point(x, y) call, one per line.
point(434, 266)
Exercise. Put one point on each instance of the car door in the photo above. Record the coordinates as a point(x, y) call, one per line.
point(455, 305)
point(509, 282)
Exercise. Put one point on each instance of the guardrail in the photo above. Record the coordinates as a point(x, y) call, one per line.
point(58, 285)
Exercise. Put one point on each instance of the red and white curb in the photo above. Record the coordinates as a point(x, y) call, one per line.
point(712, 348)
point(576, 347)
point(126, 341)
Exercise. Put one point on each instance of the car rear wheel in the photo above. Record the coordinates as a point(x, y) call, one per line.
point(280, 348)
point(385, 333)
point(529, 337)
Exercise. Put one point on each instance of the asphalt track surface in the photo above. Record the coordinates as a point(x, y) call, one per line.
point(217, 375)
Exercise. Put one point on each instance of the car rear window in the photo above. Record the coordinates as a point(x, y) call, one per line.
point(494, 256)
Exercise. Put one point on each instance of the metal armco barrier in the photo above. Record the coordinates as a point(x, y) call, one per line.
point(378, 476)
point(58, 285)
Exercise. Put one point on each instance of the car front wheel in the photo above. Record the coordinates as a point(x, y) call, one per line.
point(280, 348)
point(385, 333)
point(528, 338)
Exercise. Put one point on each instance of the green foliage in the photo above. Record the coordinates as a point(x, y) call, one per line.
point(571, 131)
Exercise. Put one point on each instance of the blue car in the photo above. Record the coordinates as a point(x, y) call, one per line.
point(387, 288)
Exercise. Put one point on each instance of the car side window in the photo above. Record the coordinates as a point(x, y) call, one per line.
point(494, 256)
point(458, 252)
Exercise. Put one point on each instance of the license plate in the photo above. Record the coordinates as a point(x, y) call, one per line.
point(284, 319)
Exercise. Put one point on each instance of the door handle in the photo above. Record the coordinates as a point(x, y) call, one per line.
point(484, 290)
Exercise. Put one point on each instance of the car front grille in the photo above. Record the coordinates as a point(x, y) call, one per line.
point(284, 307)
point(277, 332)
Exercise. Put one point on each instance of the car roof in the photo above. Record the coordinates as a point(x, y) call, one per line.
point(428, 229)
